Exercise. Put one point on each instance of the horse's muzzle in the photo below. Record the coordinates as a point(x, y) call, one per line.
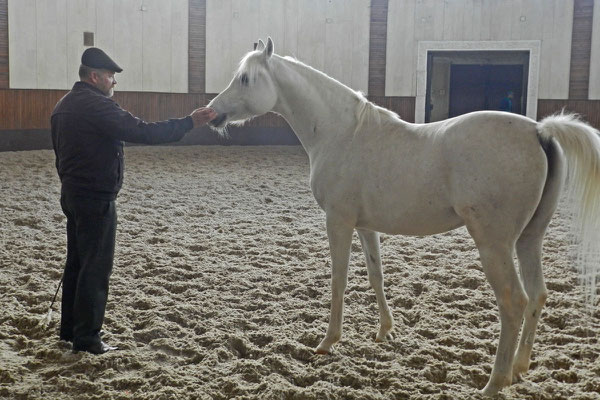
point(218, 121)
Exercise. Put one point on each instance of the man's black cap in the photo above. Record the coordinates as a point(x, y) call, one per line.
point(96, 58)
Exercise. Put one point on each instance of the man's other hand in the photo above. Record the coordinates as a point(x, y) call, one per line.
point(202, 115)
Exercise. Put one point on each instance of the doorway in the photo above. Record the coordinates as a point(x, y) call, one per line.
point(484, 87)
point(459, 82)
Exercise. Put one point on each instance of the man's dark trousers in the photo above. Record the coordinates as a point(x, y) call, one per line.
point(91, 229)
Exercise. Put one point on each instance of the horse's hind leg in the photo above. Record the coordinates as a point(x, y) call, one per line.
point(529, 252)
point(370, 245)
point(495, 241)
point(496, 259)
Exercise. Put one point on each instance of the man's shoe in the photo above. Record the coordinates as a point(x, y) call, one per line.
point(96, 348)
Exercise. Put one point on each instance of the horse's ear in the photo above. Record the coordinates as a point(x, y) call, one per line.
point(261, 45)
point(269, 50)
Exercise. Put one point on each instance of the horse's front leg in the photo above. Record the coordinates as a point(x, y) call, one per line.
point(340, 239)
point(370, 245)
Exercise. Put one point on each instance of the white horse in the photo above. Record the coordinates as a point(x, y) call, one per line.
point(499, 174)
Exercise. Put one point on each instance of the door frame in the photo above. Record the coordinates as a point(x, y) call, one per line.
point(531, 46)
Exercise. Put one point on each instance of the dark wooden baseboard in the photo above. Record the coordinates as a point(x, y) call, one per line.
point(39, 139)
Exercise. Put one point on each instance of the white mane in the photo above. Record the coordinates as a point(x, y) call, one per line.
point(365, 111)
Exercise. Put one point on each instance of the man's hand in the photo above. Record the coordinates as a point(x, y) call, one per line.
point(202, 115)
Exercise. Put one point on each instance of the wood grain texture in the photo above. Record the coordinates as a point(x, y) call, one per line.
point(581, 47)
point(197, 46)
point(589, 110)
point(4, 69)
point(31, 109)
point(377, 47)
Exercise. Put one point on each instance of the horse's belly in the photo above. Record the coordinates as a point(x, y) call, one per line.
point(427, 221)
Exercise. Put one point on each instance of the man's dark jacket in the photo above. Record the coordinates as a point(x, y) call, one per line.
point(88, 130)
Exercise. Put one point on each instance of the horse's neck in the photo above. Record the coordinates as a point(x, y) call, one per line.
point(318, 110)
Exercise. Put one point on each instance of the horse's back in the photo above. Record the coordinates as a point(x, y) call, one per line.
point(496, 138)
point(486, 124)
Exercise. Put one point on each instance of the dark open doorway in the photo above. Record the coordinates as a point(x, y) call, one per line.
point(459, 82)
point(483, 87)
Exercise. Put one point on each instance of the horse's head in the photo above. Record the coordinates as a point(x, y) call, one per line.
point(251, 92)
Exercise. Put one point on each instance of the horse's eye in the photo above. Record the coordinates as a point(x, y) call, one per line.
point(244, 79)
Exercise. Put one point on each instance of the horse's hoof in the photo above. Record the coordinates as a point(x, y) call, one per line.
point(517, 378)
point(490, 390)
point(519, 369)
point(326, 346)
point(487, 393)
point(386, 338)
point(321, 352)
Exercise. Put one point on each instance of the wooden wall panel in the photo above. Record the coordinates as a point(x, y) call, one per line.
point(403, 106)
point(22, 109)
point(594, 89)
point(31, 109)
point(589, 110)
point(197, 46)
point(581, 46)
point(27, 109)
point(160, 106)
point(4, 77)
point(377, 47)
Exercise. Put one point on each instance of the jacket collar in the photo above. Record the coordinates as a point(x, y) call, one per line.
point(80, 85)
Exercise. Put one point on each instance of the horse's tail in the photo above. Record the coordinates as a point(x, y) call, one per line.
point(581, 146)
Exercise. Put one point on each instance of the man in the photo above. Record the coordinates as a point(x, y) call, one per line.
point(507, 102)
point(88, 128)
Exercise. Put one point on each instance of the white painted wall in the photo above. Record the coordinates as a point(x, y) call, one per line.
point(22, 45)
point(128, 53)
point(413, 21)
point(594, 93)
point(50, 39)
point(151, 45)
point(330, 35)
point(46, 38)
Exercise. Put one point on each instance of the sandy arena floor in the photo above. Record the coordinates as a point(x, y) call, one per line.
point(220, 290)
